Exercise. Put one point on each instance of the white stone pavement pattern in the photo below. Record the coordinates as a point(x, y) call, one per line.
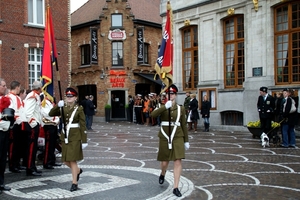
point(120, 163)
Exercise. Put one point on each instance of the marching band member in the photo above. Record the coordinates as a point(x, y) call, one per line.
point(172, 145)
point(75, 135)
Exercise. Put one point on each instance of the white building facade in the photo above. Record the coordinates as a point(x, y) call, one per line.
point(228, 49)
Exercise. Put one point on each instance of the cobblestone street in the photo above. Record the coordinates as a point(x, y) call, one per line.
point(120, 163)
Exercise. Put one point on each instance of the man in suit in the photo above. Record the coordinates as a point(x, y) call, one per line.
point(265, 107)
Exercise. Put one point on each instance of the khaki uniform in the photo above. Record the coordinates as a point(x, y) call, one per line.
point(73, 150)
point(180, 137)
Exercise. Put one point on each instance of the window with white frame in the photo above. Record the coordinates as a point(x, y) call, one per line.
point(36, 12)
point(117, 54)
point(34, 65)
point(116, 20)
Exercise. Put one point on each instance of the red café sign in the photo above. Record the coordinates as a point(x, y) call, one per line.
point(119, 80)
point(117, 35)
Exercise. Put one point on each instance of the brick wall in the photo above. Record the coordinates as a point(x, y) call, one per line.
point(15, 33)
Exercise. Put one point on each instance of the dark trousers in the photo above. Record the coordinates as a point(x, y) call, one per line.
point(138, 115)
point(17, 146)
point(89, 121)
point(265, 124)
point(3, 154)
point(50, 143)
point(33, 135)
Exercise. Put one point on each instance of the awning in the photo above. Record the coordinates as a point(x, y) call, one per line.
point(150, 77)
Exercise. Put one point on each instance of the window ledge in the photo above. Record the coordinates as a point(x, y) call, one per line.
point(144, 64)
point(231, 90)
point(117, 67)
point(34, 26)
point(117, 27)
point(84, 66)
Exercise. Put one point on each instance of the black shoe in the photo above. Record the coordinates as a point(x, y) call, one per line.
point(48, 167)
point(4, 188)
point(33, 174)
point(38, 171)
point(21, 168)
point(56, 165)
point(177, 192)
point(161, 179)
point(78, 175)
point(73, 187)
point(14, 170)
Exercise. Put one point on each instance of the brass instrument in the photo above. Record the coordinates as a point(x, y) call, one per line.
point(49, 122)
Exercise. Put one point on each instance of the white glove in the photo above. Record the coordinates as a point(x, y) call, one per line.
point(168, 104)
point(61, 103)
point(84, 145)
point(186, 145)
point(33, 124)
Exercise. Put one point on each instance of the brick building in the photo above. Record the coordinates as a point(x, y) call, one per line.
point(114, 49)
point(21, 40)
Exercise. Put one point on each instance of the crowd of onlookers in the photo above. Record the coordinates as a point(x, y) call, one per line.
point(283, 109)
point(141, 107)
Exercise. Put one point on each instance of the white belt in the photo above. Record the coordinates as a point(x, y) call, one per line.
point(74, 125)
point(165, 123)
point(138, 106)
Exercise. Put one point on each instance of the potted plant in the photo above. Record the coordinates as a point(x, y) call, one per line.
point(254, 127)
point(107, 108)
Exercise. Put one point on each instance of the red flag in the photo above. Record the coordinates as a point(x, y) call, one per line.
point(164, 62)
point(49, 57)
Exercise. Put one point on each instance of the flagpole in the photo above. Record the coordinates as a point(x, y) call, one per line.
point(53, 61)
point(170, 142)
point(60, 96)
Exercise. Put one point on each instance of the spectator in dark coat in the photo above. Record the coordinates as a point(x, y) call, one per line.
point(205, 112)
point(265, 107)
point(193, 112)
point(130, 106)
point(290, 119)
point(89, 112)
point(83, 102)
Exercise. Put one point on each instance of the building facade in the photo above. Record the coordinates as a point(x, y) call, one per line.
point(114, 49)
point(228, 49)
point(22, 26)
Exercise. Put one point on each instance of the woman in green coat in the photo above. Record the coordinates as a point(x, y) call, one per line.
point(74, 119)
point(172, 149)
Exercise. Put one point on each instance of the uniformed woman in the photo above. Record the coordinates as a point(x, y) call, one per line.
point(173, 143)
point(74, 119)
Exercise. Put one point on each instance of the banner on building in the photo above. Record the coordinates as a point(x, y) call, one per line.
point(140, 45)
point(94, 46)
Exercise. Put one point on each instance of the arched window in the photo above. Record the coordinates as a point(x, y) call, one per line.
point(190, 62)
point(234, 57)
point(287, 43)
